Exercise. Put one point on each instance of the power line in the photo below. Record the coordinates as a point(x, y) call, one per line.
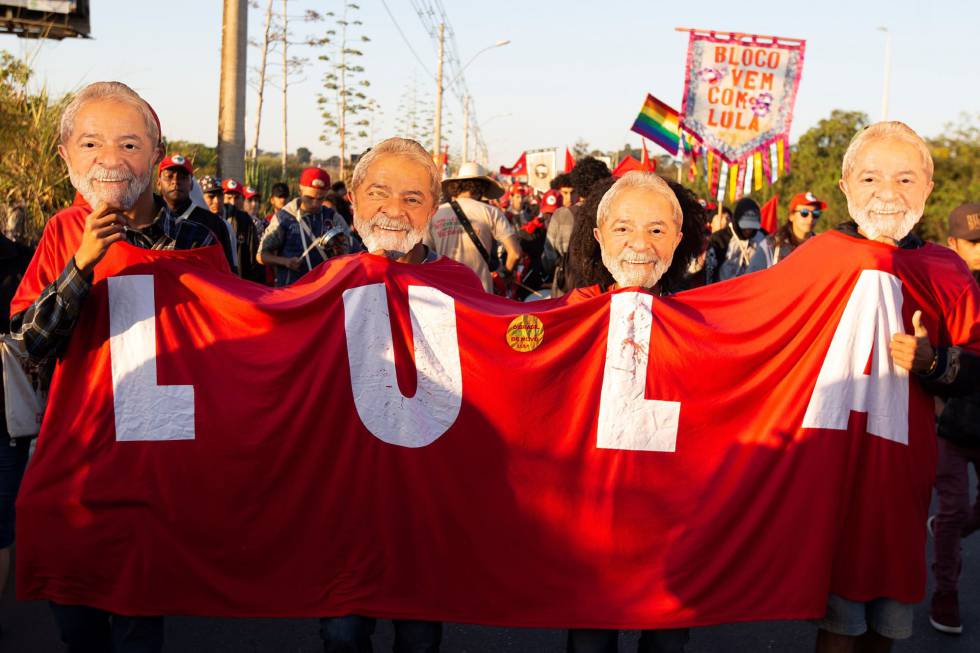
point(431, 13)
point(405, 38)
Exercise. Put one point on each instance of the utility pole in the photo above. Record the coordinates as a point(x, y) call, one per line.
point(285, 83)
point(342, 97)
point(888, 72)
point(231, 101)
point(466, 129)
point(261, 93)
point(437, 126)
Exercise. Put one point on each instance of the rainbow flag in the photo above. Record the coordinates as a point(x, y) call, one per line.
point(659, 123)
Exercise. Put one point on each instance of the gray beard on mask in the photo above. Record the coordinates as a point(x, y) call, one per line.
point(395, 243)
point(895, 227)
point(628, 277)
point(122, 198)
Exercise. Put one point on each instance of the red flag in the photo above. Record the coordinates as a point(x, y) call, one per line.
point(628, 164)
point(648, 164)
point(518, 169)
point(673, 493)
point(770, 215)
point(569, 161)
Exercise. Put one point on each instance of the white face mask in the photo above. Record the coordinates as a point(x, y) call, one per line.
point(123, 197)
point(877, 218)
point(396, 237)
point(627, 275)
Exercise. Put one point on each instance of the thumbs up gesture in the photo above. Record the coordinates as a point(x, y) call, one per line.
point(913, 352)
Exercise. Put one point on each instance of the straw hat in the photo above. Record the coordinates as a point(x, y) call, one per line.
point(473, 170)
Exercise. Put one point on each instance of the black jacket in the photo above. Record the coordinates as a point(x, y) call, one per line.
point(247, 245)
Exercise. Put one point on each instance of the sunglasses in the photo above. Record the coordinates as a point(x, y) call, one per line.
point(806, 212)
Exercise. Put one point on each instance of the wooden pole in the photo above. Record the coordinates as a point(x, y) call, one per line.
point(437, 123)
point(231, 102)
point(738, 36)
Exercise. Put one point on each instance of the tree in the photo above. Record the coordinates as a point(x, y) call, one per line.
point(33, 180)
point(289, 66)
point(304, 156)
point(815, 165)
point(260, 90)
point(956, 155)
point(344, 104)
point(416, 106)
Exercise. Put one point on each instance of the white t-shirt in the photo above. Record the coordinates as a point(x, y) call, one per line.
point(447, 237)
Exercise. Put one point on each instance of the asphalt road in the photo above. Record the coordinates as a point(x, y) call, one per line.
point(29, 628)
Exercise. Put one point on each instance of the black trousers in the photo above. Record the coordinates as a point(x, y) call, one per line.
point(88, 630)
point(594, 640)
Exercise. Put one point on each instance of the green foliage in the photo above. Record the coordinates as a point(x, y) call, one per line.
point(204, 158)
point(32, 175)
point(345, 106)
point(816, 166)
point(956, 155)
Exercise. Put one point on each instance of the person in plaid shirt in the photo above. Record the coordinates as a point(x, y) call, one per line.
point(110, 142)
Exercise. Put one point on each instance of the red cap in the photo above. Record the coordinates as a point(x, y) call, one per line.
point(550, 201)
point(806, 198)
point(231, 186)
point(250, 192)
point(177, 161)
point(314, 178)
point(518, 189)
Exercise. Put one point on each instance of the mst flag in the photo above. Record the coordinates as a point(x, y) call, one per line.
point(349, 444)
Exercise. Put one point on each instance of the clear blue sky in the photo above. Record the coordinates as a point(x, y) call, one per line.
point(573, 69)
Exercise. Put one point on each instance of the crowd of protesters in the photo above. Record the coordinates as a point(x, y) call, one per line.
point(590, 234)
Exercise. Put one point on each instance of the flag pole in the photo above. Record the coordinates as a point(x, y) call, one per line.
point(738, 36)
point(680, 156)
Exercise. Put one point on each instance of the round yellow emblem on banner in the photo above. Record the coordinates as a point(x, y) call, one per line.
point(525, 333)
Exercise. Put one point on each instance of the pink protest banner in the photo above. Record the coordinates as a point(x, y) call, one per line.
point(739, 92)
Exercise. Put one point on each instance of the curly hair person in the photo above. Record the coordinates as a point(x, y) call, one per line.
point(585, 267)
point(562, 180)
point(476, 187)
point(586, 173)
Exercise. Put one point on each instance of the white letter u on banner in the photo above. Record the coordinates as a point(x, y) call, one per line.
point(388, 414)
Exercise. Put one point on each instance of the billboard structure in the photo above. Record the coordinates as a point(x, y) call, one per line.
point(45, 19)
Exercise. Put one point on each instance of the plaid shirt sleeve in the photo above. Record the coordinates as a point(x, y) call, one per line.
point(46, 325)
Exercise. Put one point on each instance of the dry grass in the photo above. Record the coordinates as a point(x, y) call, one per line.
point(31, 173)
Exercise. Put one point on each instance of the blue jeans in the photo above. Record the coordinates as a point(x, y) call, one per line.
point(89, 630)
point(352, 634)
point(594, 640)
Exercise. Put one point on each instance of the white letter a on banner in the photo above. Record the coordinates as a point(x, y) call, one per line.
point(873, 313)
point(389, 415)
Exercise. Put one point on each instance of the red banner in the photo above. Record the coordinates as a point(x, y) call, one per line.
point(386, 439)
point(518, 169)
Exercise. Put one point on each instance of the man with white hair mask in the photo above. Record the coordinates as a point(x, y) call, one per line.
point(639, 225)
point(886, 177)
point(110, 142)
point(394, 194)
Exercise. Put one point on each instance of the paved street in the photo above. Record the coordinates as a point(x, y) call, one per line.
point(28, 628)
